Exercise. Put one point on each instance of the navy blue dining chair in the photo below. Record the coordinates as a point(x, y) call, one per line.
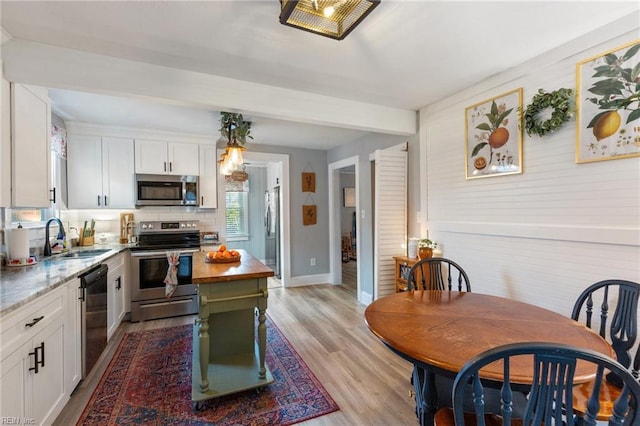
point(610, 308)
point(550, 395)
point(437, 273)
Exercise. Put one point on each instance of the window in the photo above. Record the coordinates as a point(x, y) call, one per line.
point(21, 215)
point(237, 214)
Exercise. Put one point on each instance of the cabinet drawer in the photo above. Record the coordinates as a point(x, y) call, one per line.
point(20, 325)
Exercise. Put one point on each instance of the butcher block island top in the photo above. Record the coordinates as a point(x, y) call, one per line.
point(247, 268)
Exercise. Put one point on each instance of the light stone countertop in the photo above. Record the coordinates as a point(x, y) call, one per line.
point(20, 285)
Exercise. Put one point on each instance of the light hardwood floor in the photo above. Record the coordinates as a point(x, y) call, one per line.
point(325, 324)
point(350, 274)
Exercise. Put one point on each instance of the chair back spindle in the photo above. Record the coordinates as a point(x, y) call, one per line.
point(437, 273)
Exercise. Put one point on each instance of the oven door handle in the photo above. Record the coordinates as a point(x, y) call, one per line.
point(156, 253)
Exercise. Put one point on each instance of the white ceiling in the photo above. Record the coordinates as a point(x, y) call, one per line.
point(406, 54)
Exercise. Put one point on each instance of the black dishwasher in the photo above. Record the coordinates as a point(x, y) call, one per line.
point(94, 316)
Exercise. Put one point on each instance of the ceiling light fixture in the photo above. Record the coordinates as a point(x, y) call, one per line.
point(236, 131)
point(330, 18)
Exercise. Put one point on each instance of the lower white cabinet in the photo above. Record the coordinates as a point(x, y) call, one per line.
point(116, 284)
point(73, 338)
point(32, 360)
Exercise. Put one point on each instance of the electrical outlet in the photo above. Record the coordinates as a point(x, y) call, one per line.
point(312, 261)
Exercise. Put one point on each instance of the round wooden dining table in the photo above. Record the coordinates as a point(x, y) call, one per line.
point(439, 331)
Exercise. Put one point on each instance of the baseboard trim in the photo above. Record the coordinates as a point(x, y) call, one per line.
point(309, 280)
point(366, 298)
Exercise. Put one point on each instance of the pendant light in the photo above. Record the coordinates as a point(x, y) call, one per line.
point(236, 131)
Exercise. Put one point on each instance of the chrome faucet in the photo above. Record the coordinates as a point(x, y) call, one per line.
point(47, 244)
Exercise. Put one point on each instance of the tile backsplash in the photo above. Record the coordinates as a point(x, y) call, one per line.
point(108, 223)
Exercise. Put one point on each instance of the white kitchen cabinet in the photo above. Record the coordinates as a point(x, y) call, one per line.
point(208, 180)
point(73, 338)
point(25, 152)
point(160, 157)
point(100, 172)
point(116, 290)
point(32, 382)
point(5, 145)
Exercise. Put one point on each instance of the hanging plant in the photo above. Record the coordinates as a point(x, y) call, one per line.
point(234, 128)
point(560, 102)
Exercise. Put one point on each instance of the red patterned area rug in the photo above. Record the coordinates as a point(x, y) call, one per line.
point(148, 382)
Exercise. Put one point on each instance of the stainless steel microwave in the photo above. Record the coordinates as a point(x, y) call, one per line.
point(166, 190)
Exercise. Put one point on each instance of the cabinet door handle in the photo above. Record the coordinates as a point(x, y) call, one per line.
point(105, 201)
point(81, 294)
point(34, 322)
point(170, 166)
point(98, 200)
point(53, 195)
point(201, 199)
point(119, 283)
point(41, 347)
point(35, 361)
point(165, 166)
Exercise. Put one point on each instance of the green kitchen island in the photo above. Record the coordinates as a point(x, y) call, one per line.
point(227, 357)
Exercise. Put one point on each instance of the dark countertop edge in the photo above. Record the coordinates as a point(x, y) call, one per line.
point(114, 251)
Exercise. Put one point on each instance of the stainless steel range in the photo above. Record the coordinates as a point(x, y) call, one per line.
point(149, 266)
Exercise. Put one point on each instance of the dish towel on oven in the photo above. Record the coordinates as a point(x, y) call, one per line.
point(171, 280)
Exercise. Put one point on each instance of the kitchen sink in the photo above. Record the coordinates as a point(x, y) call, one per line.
point(84, 254)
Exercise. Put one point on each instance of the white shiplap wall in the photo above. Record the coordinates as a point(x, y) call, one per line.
point(544, 235)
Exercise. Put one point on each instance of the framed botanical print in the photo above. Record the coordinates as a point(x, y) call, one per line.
point(309, 214)
point(308, 182)
point(608, 105)
point(493, 137)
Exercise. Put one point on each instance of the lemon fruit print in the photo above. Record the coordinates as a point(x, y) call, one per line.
point(607, 125)
point(611, 108)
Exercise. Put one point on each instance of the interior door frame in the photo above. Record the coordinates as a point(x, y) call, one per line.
point(335, 243)
point(282, 163)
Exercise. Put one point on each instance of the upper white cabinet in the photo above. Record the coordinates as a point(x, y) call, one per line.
point(26, 128)
point(208, 177)
point(100, 172)
point(159, 157)
point(5, 145)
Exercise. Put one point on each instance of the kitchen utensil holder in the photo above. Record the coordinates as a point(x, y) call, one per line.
point(85, 241)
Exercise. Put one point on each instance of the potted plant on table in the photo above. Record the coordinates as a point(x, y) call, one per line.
point(425, 248)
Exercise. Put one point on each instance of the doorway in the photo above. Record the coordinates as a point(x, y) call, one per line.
point(344, 224)
point(272, 241)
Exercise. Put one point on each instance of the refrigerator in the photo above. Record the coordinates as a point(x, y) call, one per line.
point(272, 229)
